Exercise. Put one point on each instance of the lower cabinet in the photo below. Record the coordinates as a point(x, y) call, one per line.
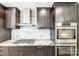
point(21, 51)
point(45, 51)
point(39, 51)
point(27, 51)
point(50, 50)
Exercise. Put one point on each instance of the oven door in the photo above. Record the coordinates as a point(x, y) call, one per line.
point(66, 35)
point(66, 50)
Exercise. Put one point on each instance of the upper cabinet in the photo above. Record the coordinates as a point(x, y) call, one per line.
point(2, 16)
point(43, 17)
point(2, 12)
point(12, 17)
point(65, 12)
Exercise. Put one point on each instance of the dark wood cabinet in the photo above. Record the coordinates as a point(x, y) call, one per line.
point(12, 18)
point(43, 17)
point(3, 51)
point(22, 51)
point(50, 50)
point(40, 51)
point(45, 51)
point(65, 12)
point(17, 51)
point(2, 16)
point(2, 11)
point(27, 51)
point(9, 17)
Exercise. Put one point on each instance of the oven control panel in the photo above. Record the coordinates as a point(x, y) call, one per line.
point(66, 24)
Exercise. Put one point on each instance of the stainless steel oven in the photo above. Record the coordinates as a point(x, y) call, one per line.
point(66, 51)
point(66, 34)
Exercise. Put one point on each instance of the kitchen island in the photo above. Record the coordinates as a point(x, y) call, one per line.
point(38, 48)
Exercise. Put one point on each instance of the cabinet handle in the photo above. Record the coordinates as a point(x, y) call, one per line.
point(21, 53)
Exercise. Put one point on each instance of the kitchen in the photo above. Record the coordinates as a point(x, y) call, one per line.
point(39, 29)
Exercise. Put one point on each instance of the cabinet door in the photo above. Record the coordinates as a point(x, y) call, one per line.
point(40, 51)
point(2, 16)
point(4, 51)
point(1, 51)
point(73, 13)
point(62, 11)
point(21, 51)
point(27, 51)
point(2, 11)
point(10, 18)
point(70, 13)
point(59, 13)
point(11, 51)
point(14, 51)
point(66, 12)
point(50, 51)
point(17, 51)
point(43, 17)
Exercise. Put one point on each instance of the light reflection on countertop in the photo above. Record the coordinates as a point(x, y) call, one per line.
point(36, 43)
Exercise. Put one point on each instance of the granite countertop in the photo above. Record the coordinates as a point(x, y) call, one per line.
point(36, 43)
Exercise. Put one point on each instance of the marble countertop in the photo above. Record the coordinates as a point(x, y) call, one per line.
point(36, 43)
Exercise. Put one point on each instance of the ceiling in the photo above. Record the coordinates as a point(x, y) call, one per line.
point(22, 5)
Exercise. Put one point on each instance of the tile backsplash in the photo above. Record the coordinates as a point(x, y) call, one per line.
point(31, 33)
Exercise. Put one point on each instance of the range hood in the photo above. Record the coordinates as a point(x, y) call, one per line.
point(25, 25)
